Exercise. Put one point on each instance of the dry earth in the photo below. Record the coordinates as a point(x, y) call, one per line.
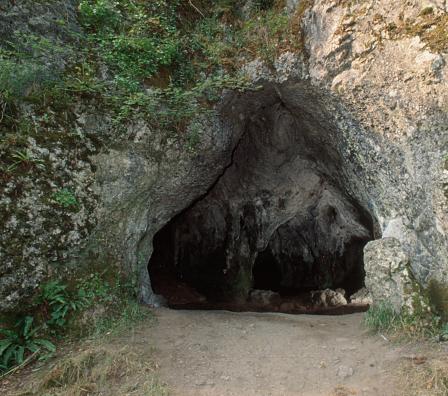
point(224, 353)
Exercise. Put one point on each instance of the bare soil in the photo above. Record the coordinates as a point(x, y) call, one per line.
point(222, 353)
point(227, 353)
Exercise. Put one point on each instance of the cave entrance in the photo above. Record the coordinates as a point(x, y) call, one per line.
point(280, 223)
point(283, 277)
point(266, 273)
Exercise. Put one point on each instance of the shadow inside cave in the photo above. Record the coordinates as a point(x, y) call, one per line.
point(279, 224)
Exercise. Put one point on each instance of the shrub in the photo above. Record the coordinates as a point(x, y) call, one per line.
point(21, 341)
point(57, 303)
point(134, 39)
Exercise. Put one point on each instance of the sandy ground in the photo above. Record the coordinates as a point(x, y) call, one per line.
point(225, 353)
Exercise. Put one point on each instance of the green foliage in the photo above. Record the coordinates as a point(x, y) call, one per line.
point(58, 303)
point(172, 108)
point(444, 332)
point(95, 289)
point(65, 198)
point(23, 158)
point(21, 341)
point(18, 79)
point(125, 314)
point(135, 39)
point(262, 4)
point(24, 66)
point(381, 318)
point(165, 60)
point(55, 310)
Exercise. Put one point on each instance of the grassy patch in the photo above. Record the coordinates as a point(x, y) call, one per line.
point(100, 368)
point(381, 318)
point(93, 306)
point(438, 295)
point(119, 319)
point(431, 28)
point(429, 378)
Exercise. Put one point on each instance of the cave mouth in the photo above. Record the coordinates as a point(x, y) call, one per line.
point(280, 223)
point(266, 273)
point(274, 286)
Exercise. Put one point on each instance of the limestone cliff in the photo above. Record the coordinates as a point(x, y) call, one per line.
point(340, 140)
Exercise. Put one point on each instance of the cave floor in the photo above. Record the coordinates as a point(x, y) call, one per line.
point(222, 353)
point(226, 353)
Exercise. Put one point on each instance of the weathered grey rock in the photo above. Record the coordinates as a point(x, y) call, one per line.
point(388, 277)
point(357, 123)
point(344, 372)
point(362, 296)
point(328, 298)
point(291, 5)
point(264, 297)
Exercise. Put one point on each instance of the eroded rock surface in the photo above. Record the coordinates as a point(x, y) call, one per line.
point(388, 276)
point(343, 143)
point(328, 298)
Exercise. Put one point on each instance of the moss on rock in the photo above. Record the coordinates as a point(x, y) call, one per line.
point(438, 295)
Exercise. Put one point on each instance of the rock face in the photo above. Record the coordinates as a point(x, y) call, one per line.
point(328, 298)
point(362, 296)
point(282, 200)
point(264, 297)
point(388, 273)
point(342, 144)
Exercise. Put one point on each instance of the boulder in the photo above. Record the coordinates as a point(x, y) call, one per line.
point(362, 296)
point(328, 298)
point(388, 276)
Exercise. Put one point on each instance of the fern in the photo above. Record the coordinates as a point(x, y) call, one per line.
point(21, 341)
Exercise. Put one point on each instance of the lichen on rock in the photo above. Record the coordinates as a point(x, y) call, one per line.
point(338, 136)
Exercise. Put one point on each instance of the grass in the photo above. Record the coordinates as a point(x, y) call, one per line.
point(431, 28)
point(429, 378)
point(112, 355)
point(128, 314)
point(106, 367)
point(382, 318)
point(420, 375)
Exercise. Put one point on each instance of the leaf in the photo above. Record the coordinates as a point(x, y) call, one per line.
point(28, 322)
point(8, 354)
point(32, 347)
point(4, 344)
point(46, 344)
point(33, 332)
point(20, 352)
point(9, 333)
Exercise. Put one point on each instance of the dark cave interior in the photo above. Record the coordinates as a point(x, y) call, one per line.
point(279, 218)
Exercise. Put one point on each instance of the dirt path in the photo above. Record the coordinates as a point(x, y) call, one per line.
point(224, 353)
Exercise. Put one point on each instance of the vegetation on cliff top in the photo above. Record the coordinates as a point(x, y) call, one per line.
point(167, 59)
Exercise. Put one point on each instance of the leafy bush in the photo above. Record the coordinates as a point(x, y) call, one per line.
point(17, 79)
point(100, 15)
point(21, 341)
point(134, 39)
point(58, 303)
point(56, 309)
point(24, 65)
